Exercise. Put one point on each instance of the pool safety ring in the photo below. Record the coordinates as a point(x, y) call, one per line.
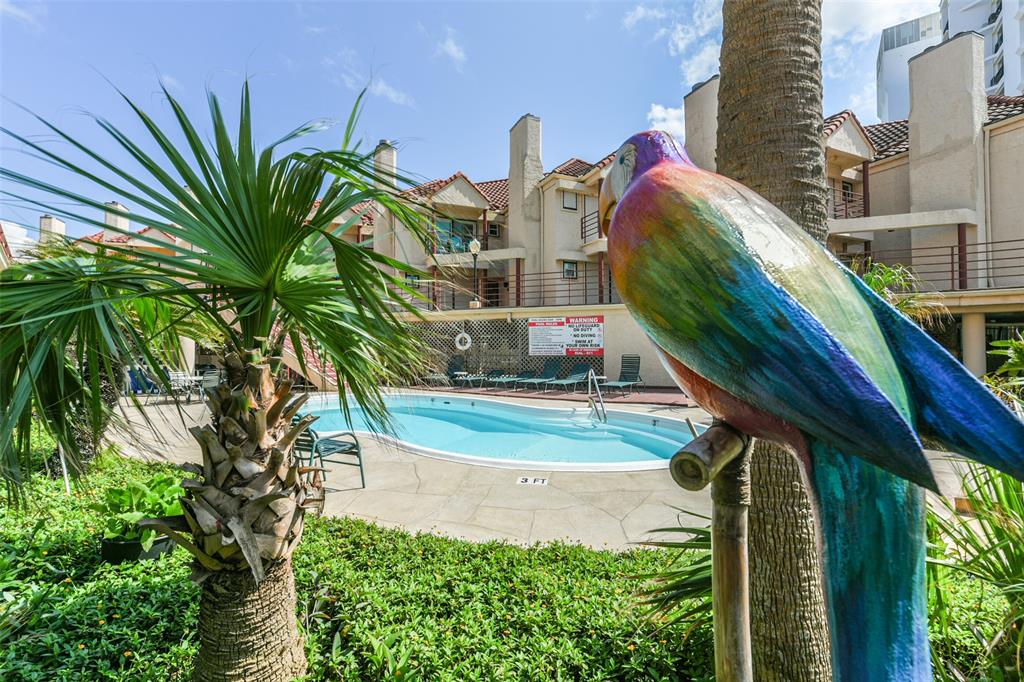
point(463, 341)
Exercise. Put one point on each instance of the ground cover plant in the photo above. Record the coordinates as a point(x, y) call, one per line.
point(374, 603)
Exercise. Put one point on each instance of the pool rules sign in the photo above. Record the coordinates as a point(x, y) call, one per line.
point(571, 336)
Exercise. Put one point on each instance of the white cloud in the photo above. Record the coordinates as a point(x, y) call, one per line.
point(452, 49)
point(669, 119)
point(701, 19)
point(316, 30)
point(29, 14)
point(701, 65)
point(171, 83)
point(382, 88)
point(17, 237)
point(642, 13)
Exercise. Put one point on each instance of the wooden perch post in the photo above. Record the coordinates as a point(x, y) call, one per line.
point(719, 456)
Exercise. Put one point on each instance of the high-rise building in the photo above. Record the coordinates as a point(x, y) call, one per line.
point(897, 46)
point(1001, 24)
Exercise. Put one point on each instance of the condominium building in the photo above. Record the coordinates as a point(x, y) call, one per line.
point(896, 47)
point(1001, 25)
point(940, 192)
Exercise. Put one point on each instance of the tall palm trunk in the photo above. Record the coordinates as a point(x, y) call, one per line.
point(770, 139)
point(243, 518)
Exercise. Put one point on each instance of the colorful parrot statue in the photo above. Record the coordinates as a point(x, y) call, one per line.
point(767, 331)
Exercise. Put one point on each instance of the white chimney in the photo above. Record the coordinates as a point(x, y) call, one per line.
point(112, 217)
point(385, 163)
point(525, 171)
point(701, 109)
point(948, 108)
point(51, 229)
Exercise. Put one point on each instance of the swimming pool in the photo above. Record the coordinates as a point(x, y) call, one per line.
point(502, 434)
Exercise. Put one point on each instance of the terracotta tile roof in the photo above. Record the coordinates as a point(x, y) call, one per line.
point(4, 245)
point(99, 237)
point(893, 137)
point(429, 189)
point(836, 121)
point(574, 167)
point(1001, 107)
point(890, 138)
point(496, 192)
point(605, 161)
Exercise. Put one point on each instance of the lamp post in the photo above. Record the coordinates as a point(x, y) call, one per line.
point(474, 248)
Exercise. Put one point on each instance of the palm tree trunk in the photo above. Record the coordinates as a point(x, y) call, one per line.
point(770, 139)
point(248, 632)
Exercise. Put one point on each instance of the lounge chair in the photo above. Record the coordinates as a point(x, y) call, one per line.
point(455, 364)
point(480, 378)
point(315, 450)
point(551, 369)
point(577, 375)
point(511, 379)
point(629, 375)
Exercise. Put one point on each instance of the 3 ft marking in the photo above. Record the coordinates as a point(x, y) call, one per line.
point(532, 480)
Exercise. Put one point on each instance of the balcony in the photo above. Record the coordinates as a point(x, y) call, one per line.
point(590, 227)
point(844, 204)
point(957, 267)
point(528, 290)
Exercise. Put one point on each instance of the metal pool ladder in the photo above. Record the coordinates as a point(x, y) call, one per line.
point(597, 410)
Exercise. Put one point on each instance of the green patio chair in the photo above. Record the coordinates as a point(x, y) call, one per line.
point(551, 369)
point(629, 375)
point(469, 379)
point(577, 375)
point(511, 379)
point(455, 364)
point(315, 450)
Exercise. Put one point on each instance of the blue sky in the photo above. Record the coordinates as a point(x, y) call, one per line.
point(446, 80)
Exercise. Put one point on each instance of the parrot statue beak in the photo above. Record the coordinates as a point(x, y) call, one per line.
point(606, 202)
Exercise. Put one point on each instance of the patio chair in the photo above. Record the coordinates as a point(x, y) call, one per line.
point(629, 375)
point(315, 450)
point(551, 369)
point(455, 364)
point(481, 378)
point(577, 375)
point(510, 379)
point(182, 384)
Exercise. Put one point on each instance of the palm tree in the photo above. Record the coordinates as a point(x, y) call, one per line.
point(770, 139)
point(257, 257)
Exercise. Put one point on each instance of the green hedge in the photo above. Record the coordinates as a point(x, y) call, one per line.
point(373, 602)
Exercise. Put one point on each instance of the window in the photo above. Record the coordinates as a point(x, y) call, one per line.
point(569, 200)
point(454, 236)
point(569, 269)
point(412, 280)
point(494, 230)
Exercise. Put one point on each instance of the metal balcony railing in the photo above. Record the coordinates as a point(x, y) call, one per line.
point(845, 204)
point(590, 287)
point(957, 267)
point(590, 227)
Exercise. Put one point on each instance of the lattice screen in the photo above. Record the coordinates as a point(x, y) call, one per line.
point(497, 344)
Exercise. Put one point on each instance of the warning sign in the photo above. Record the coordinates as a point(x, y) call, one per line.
point(572, 336)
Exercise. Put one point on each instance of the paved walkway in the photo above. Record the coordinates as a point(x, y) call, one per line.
point(421, 494)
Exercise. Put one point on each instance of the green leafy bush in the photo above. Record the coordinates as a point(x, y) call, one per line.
point(123, 508)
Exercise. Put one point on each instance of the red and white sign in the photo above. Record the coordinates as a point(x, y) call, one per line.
point(571, 336)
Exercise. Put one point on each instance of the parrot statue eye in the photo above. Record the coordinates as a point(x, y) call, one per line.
point(622, 170)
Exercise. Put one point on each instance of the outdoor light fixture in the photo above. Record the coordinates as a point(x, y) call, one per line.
point(474, 248)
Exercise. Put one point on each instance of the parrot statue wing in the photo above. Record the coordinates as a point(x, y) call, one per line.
point(688, 270)
point(951, 405)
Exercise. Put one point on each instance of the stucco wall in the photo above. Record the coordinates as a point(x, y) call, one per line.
point(889, 185)
point(1006, 187)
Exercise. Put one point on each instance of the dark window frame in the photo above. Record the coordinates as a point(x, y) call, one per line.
point(576, 200)
point(570, 269)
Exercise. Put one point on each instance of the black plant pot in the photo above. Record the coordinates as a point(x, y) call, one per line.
point(120, 551)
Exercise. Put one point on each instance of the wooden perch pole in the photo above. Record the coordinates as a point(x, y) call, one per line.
point(719, 456)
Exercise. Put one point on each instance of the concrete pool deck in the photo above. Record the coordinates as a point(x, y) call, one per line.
point(420, 494)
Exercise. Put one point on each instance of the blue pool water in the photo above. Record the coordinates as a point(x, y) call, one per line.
point(500, 433)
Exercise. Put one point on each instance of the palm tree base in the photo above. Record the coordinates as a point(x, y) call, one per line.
point(249, 632)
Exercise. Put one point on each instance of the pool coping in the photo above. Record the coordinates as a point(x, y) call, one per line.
point(582, 467)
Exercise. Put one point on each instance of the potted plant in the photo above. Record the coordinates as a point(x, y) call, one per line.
point(123, 539)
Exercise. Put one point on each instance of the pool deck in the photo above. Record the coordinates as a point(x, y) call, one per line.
point(609, 510)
